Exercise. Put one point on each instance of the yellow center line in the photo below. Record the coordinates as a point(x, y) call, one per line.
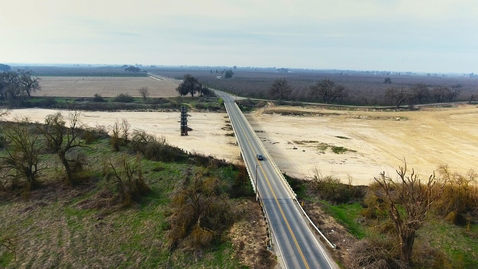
point(277, 202)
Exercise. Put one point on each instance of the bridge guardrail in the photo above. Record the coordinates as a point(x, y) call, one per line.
point(291, 191)
point(289, 188)
point(264, 212)
point(242, 153)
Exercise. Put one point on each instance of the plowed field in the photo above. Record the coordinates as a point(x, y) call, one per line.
point(105, 86)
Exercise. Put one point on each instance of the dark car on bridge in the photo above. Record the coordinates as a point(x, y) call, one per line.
point(260, 157)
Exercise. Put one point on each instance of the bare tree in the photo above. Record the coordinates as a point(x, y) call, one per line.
point(61, 138)
point(397, 95)
point(144, 92)
point(280, 88)
point(120, 134)
point(415, 197)
point(23, 151)
point(454, 93)
point(443, 93)
point(420, 92)
point(10, 89)
point(472, 99)
point(27, 83)
point(115, 139)
point(440, 93)
point(125, 129)
point(128, 177)
point(328, 91)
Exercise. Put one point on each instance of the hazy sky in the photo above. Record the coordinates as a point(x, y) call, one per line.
point(399, 35)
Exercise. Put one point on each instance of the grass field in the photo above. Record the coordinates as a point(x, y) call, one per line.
point(105, 86)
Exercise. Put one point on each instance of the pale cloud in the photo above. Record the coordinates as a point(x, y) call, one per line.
point(414, 35)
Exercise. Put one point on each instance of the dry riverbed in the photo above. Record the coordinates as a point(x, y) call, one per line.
point(355, 145)
point(368, 142)
point(210, 134)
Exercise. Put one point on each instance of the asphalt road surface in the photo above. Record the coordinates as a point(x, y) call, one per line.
point(294, 242)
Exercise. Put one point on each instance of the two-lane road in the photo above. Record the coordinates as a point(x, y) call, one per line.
point(296, 245)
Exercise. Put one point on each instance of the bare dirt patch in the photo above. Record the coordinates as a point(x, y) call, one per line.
point(249, 237)
point(207, 136)
point(376, 141)
point(106, 86)
point(333, 230)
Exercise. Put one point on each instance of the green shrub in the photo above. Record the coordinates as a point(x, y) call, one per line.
point(374, 207)
point(48, 102)
point(460, 195)
point(200, 213)
point(426, 256)
point(156, 101)
point(456, 218)
point(153, 148)
point(201, 106)
point(128, 178)
point(98, 98)
point(123, 98)
point(90, 135)
point(214, 108)
point(339, 150)
point(2, 141)
point(330, 189)
point(242, 186)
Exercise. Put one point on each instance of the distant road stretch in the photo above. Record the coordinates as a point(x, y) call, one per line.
point(296, 245)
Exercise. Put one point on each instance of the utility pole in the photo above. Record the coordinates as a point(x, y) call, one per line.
point(184, 121)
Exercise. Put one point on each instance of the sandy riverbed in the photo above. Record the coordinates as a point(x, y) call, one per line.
point(207, 137)
point(379, 141)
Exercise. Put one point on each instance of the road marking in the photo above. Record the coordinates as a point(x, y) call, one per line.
point(277, 202)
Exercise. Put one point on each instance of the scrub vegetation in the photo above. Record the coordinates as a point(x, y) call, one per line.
point(129, 200)
point(409, 222)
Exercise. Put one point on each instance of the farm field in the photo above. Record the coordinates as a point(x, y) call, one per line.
point(368, 142)
point(105, 86)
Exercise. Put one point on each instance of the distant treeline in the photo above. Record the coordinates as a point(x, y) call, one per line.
point(52, 71)
point(354, 88)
